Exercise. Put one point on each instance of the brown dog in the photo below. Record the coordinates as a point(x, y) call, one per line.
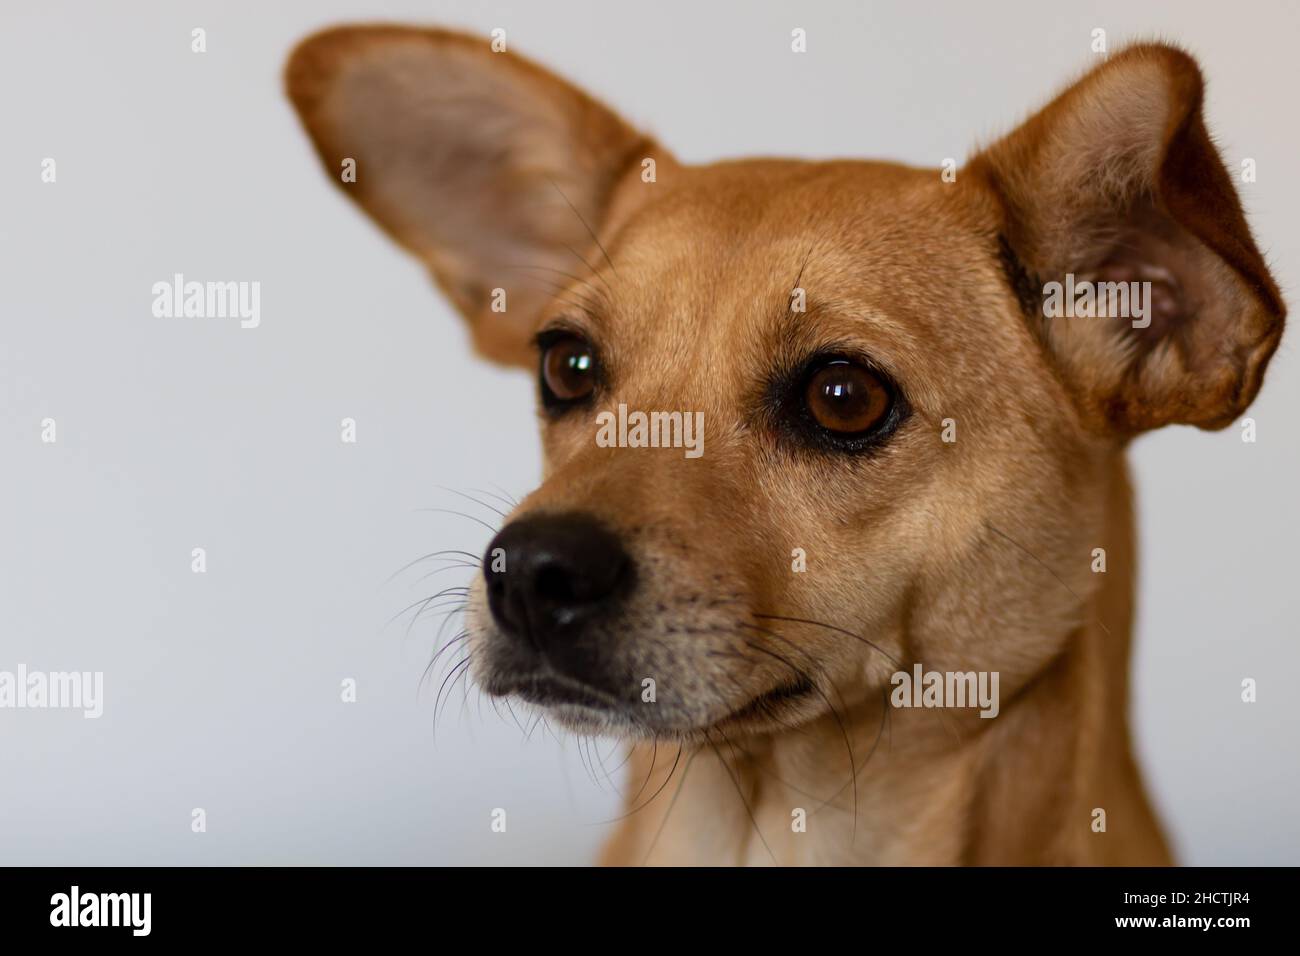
point(911, 462)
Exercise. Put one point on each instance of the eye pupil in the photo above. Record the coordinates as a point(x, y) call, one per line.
point(568, 367)
point(846, 398)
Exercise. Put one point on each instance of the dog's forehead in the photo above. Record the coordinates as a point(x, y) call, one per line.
point(741, 258)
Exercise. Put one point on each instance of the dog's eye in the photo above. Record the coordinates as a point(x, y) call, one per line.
point(847, 399)
point(568, 373)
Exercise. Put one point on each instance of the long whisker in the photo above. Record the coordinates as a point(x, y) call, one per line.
point(793, 788)
point(653, 796)
point(463, 664)
point(564, 294)
point(514, 502)
point(599, 296)
point(627, 756)
point(483, 504)
point(458, 566)
point(736, 783)
point(425, 601)
point(654, 757)
point(463, 679)
point(884, 717)
point(501, 498)
point(804, 265)
point(590, 232)
point(513, 716)
point(839, 630)
point(595, 747)
point(1043, 564)
point(454, 607)
point(428, 669)
point(844, 733)
point(591, 762)
point(595, 298)
point(450, 511)
point(671, 803)
point(532, 729)
point(429, 556)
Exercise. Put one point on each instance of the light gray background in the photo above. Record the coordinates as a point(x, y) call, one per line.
point(223, 689)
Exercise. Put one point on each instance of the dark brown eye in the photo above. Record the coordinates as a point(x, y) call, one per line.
point(847, 399)
point(568, 370)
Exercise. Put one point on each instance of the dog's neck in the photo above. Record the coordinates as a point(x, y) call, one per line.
point(1037, 784)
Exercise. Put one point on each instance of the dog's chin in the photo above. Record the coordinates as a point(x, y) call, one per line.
point(583, 709)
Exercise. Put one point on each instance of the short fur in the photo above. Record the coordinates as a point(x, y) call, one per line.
point(966, 555)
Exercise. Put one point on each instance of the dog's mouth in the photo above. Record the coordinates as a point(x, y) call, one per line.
point(773, 702)
point(550, 689)
point(585, 706)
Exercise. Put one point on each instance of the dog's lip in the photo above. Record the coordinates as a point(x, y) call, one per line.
point(548, 688)
point(758, 706)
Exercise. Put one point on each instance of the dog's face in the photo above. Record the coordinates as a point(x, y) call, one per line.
point(901, 460)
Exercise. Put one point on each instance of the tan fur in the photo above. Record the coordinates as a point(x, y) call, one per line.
point(971, 555)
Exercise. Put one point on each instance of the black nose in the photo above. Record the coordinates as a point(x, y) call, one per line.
point(548, 574)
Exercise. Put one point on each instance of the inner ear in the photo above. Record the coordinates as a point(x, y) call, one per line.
point(1152, 253)
point(493, 171)
point(1117, 181)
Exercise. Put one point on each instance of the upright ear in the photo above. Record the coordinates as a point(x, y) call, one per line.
point(1117, 181)
point(491, 170)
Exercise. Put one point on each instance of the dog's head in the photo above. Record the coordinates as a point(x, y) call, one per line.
point(902, 457)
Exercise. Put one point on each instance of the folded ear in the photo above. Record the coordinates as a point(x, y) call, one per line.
point(1117, 181)
point(488, 168)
